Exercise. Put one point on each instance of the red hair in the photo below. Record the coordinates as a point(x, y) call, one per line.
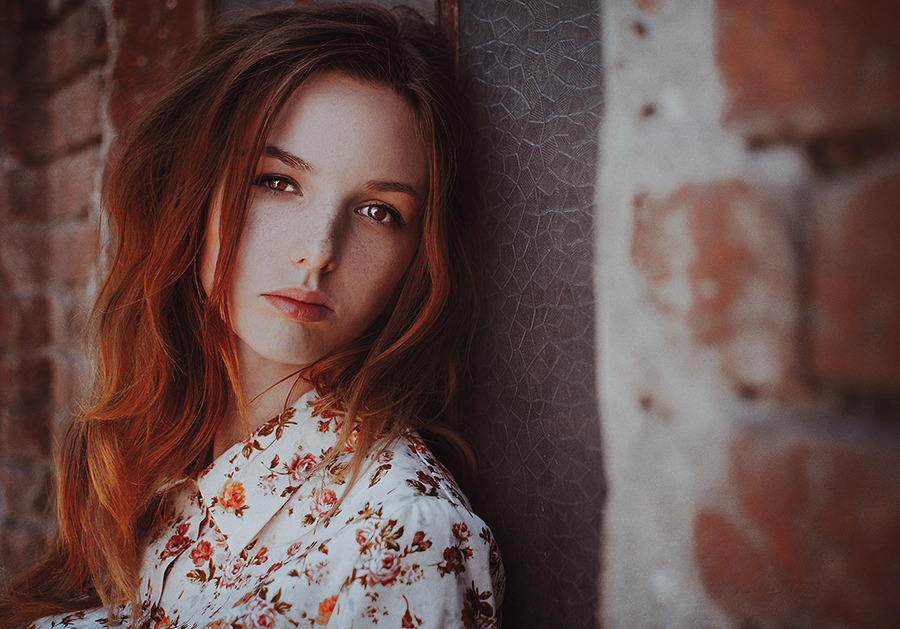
point(166, 367)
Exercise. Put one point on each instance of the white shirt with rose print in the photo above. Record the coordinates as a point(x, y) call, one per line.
point(251, 543)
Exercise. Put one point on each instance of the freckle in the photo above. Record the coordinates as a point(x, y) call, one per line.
point(646, 402)
point(648, 110)
point(748, 392)
point(637, 202)
point(640, 29)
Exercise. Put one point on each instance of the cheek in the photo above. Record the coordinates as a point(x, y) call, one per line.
point(392, 268)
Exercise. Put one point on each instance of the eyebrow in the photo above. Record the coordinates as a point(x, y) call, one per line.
point(288, 158)
point(393, 186)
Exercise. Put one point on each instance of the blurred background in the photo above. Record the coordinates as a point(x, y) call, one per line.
point(685, 395)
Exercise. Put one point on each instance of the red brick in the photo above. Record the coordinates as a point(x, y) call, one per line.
point(19, 545)
point(41, 128)
point(809, 66)
point(28, 493)
point(44, 59)
point(8, 323)
point(62, 189)
point(26, 436)
point(19, 262)
point(21, 14)
point(6, 280)
point(71, 253)
point(38, 380)
point(9, 381)
point(778, 511)
point(31, 321)
point(818, 530)
point(61, 255)
point(719, 257)
point(5, 197)
point(152, 39)
point(855, 280)
point(736, 572)
point(43, 322)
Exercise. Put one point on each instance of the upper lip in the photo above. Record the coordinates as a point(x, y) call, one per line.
point(314, 297)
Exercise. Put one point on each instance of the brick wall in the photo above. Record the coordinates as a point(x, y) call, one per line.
point(72, 73)
point(54, 55)
point(749, 278)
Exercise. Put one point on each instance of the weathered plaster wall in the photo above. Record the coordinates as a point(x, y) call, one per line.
point(748, 327)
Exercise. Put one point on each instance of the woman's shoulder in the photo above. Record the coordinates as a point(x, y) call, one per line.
point(405, 473)
point(417, 545)
point(403, 492)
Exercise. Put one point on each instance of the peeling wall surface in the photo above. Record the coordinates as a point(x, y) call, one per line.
point(536, 74)
point(749, 313)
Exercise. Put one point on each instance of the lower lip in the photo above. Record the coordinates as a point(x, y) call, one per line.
point(298, 310)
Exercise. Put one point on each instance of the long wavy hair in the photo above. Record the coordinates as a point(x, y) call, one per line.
point(166, 364)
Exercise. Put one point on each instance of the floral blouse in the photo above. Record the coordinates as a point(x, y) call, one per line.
point(253, 541)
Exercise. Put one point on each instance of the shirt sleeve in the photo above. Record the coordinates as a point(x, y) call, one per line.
point(429, 564)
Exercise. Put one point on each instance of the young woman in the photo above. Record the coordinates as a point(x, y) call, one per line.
point(290, 300)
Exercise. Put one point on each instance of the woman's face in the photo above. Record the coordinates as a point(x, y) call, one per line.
point(331, 227)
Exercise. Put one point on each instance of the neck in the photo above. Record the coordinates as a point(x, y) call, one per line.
point(267, 389)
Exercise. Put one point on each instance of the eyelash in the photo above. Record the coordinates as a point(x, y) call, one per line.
point(266, 184)
point(393, 216)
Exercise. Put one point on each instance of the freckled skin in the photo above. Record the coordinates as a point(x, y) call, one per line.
point(335, 209)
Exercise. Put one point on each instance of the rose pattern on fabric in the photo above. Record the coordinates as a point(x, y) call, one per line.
point(326, 608)
point(301, 466)
point(175, 545)
point(260, 614)
point(255, 541)
point(383, 568)
point(477, 612)
point(201, 553)
point(232, 572)
point(457, 555)
point(365, 536)
point(323, 501)
point(233, 497)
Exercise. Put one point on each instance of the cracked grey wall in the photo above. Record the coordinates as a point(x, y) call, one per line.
point(536, 78)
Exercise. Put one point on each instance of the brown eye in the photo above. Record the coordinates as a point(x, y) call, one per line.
point(276, 183)
point(378, 213)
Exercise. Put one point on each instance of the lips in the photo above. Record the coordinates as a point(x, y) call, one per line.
point(303, 306)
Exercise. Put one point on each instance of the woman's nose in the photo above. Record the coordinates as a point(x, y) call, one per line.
point(317, 245)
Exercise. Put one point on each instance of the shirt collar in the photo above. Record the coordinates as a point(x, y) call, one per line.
point(247, 484)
